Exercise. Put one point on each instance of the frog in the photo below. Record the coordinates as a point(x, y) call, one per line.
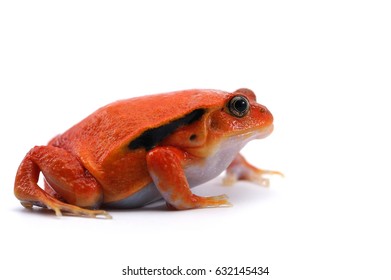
point(135, 151)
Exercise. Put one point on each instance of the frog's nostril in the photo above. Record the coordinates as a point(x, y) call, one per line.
point(263, 110)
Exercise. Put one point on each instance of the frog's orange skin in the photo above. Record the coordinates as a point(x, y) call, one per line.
point(134, 151)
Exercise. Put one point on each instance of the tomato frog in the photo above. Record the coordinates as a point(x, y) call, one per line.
point(133, 152)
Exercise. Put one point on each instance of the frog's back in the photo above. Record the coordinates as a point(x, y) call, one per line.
point(110, 129)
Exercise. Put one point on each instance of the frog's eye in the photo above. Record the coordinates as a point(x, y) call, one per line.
point(239, 106)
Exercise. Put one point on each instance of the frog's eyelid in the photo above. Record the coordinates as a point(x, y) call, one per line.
point(247, 93)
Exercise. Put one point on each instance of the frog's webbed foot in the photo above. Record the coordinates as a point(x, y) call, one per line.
point(205, 202)
point(61, 208)
point(240, 169)
point(73, 210)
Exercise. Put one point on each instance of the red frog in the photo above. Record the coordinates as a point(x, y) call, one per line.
point(136, 151)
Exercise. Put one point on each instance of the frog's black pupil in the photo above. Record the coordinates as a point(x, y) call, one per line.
point(241, 105)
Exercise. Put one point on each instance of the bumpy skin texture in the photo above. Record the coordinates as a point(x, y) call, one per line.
point(155, 141)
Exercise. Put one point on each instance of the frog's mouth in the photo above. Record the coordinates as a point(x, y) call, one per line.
point(240, 140)
point(247, 136)
point(264, 132)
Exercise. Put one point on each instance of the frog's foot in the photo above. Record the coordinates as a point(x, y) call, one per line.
point(201, 202)
point(165, 167)
point(240, 169)
point(60, 207)
point(209, 201)
point(67, 179)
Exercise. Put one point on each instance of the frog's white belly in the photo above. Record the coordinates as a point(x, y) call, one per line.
point(196, 174)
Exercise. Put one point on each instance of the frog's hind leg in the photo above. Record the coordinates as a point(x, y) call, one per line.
point(67, 178)
point(50, 191)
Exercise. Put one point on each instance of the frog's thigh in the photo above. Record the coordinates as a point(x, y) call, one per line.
point(165, 165)
point(67, 177)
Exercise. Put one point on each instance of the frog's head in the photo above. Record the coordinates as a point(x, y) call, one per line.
point(241, 115)
point(233, 120)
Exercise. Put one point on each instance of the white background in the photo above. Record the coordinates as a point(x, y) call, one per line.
point(322, 67)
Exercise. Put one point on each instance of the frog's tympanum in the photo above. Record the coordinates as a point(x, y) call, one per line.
point(136, 151)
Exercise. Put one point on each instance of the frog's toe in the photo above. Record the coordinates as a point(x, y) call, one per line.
point(92, 213)
point(60, 207)
point(196, 201)
point(214, 201)
point(271, 172)
point(229, 179)
point(57, 211)
point(27, 204)
point(260, 180)
point(101, 214)
point(259, 177)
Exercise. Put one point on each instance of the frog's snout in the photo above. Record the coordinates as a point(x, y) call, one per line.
point(265, 120)
point(263, 115)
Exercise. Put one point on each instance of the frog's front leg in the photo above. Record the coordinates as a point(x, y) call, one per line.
point(165, 165)
point(240, 169)
point(67, 178)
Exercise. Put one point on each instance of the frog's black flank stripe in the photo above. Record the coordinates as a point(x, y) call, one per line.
point(151, 137)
